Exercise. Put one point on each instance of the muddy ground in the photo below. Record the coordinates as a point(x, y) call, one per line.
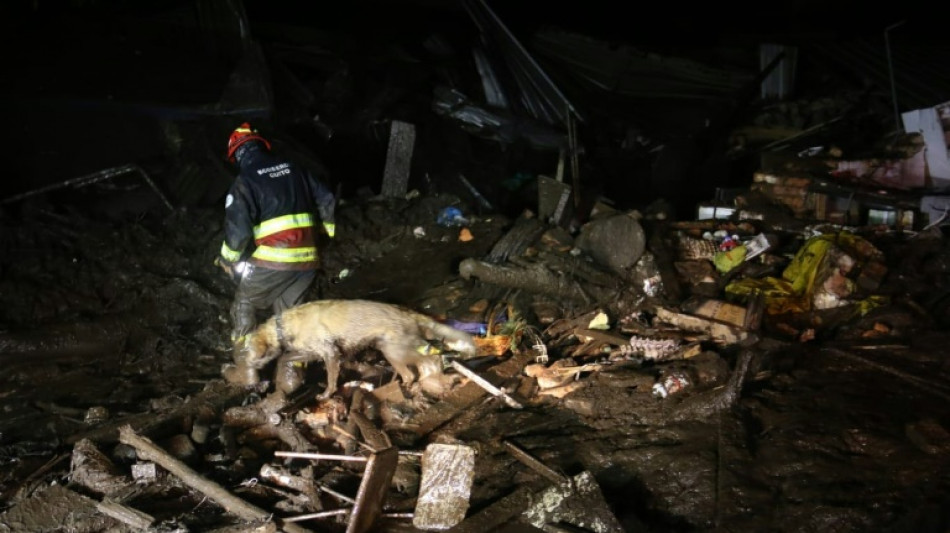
point(110, 320)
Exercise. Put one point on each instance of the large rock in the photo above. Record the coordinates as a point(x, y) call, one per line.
point(616, 241)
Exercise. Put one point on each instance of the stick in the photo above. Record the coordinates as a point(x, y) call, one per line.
point(127, 515)
point(483, 383)
point(322, 514)
point(547, 472)
point(331, 492)
point(330, 456)
point(148, 451)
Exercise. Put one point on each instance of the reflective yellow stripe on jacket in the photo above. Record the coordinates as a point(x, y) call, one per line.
point(229, 254)
point(286, 222)
point(301, 254)
point(286, 255)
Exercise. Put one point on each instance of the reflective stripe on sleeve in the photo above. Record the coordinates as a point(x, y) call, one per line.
point(229, 254)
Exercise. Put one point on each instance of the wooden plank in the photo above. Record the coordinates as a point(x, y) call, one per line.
point(372, 492)
point(398, 159)
point(529, 460)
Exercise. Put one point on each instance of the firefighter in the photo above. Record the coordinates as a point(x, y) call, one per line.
point(272, 215)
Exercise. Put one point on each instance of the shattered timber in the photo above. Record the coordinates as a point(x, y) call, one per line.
point(694, 309)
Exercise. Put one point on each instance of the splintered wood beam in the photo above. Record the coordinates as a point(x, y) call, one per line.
point(149, 451)
point(127, 515)
point(485, 384)
point(372, 492)
point(539, 467)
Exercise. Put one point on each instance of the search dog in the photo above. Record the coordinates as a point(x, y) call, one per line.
point(329, 330)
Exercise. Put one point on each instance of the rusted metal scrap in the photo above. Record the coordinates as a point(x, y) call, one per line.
point(377, 477)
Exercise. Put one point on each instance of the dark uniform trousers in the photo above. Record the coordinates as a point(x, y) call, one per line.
point(261, 288)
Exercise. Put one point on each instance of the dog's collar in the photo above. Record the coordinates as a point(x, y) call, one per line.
point(281, 337)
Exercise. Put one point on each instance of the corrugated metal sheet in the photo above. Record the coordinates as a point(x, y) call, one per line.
point(536, 94)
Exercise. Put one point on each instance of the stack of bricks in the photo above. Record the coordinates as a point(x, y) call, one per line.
point(792, 192)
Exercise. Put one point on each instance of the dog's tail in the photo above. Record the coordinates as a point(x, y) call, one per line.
point(455, 340)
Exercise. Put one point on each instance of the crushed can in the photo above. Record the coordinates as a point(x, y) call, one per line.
point(670, 384)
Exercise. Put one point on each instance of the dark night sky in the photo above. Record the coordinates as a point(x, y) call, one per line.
point(85, 52)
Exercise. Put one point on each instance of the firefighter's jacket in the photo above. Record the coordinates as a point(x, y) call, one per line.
point(273, 212)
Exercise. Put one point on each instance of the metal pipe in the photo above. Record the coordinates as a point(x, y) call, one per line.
point(317, 456)
point(95, 177)
point(322, 514)
point(336, 494)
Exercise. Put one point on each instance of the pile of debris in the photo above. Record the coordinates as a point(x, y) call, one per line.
point(633, 321)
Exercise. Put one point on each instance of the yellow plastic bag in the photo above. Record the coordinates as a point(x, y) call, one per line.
point(726, 261)
point(795, 290)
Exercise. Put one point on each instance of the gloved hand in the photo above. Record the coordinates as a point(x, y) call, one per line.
point(225, 266)
point(330, 228)
point(233, 271)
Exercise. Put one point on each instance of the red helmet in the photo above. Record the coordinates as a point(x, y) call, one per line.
point(242, 134)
